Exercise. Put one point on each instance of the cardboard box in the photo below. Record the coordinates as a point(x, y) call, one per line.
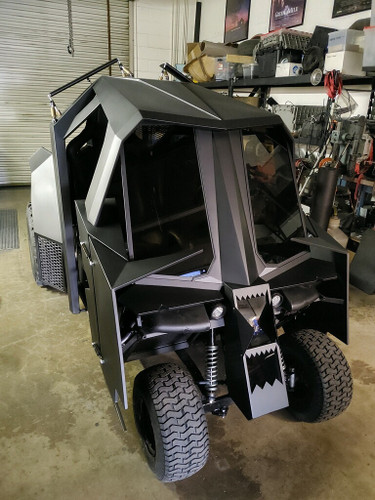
point(199, 66)
point(288, 69)
point(235, 58)
point(350, 40)
point(201, 69)
point(202, 59)
point(348, 63)
point(193, 50)
point(252, 101)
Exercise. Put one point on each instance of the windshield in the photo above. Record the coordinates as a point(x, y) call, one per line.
point(166, 197)
point(274, 202)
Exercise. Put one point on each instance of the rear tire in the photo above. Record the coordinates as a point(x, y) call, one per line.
point(171, 421)
point(323, 383)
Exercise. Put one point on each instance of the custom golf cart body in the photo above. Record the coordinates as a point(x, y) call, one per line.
point(171, 214)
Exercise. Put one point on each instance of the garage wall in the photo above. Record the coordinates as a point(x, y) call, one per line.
point(34, 60)
point(152, 37)
point(155, 24)
point(160, 32)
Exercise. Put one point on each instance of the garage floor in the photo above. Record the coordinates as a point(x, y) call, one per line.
point(60, 437)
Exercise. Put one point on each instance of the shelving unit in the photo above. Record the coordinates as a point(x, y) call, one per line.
point(262, 85)
point(283, 81)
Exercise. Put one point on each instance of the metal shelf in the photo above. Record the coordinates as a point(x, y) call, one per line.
point(283, 81)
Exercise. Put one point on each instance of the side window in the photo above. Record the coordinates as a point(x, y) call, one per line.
point(274, 202)
point(82, 151)
point(166, 200)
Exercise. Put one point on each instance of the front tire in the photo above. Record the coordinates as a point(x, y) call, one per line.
point(171, 421)
point(323, 383)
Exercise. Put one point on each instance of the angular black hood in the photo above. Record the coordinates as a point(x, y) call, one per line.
point(174, 102)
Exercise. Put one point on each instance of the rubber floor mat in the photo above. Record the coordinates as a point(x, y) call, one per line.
point(9, 230)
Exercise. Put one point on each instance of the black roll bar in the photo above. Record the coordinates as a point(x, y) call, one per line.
point(84, 77)
point(174, 72)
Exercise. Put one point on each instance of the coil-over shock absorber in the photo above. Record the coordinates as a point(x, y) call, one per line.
point(212, 368)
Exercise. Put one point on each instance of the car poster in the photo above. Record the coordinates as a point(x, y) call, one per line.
point(344, 7)
point(286, 13)
point(236, 20)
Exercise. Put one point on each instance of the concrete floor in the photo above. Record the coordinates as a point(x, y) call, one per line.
point(60, 437)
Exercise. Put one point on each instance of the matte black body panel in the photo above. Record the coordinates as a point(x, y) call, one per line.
point(308, 272)
point(110, 279)
point(237, 256)
point(149, 299)
point(109, 332)
point(66, 203)
point(362, 269)
point(185, 321)
point(174, 102)
point(121, 272)
point(109, 232)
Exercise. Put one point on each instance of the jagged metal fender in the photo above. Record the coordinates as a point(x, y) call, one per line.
point(253, 362)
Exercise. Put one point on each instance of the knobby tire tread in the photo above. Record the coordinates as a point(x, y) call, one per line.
point(181, 420)
point(332, 369)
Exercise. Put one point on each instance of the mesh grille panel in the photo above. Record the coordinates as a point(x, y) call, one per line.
point(8, 229)
point(151, 134)
point(51, 263)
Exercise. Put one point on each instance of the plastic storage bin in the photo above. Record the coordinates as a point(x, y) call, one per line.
point(224, 70)
point(250, 70)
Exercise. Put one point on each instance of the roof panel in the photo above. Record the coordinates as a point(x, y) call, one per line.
point(176, 102)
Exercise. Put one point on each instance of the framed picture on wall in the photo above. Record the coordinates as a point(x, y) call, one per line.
point(236, 20)
point(286, 13)
point(344, 7)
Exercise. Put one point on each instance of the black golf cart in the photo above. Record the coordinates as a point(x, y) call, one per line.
point(170, 213)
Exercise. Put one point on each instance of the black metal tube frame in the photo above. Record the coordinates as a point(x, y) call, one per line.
point(174, 72)
point(83, 77)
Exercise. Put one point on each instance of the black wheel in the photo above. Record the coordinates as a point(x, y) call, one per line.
point(323, 384)
point(171, 421)
point(32, 244)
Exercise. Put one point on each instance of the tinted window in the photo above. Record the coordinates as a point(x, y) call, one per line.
point(165, 196)
point(82, 151)
point(274, 201)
